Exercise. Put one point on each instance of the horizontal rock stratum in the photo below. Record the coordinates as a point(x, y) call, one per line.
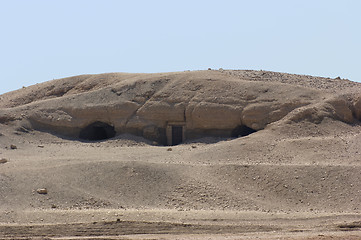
point(171, 107)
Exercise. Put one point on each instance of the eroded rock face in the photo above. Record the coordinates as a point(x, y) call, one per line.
point(357, 107)
point(203, 103)
point(341, 109)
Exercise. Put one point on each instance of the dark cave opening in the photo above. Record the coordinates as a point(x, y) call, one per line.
point(97, 131)
point(242, 131)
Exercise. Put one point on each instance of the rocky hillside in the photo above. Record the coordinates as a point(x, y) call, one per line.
point(223, 103)
point(246, 141)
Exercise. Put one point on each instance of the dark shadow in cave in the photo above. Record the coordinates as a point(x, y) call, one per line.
point(242, 131)
point(97, 131)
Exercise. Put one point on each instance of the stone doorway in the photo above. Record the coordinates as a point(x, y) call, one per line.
point(175, 133)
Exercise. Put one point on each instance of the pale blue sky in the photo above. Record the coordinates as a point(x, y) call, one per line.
point(48, 39)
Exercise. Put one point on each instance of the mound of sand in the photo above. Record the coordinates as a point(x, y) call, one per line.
point(251, 146)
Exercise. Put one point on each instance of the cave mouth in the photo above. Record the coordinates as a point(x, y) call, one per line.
point(97, 131)
point(242, 131)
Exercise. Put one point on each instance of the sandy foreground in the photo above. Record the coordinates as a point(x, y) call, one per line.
point(92, 212)
point(173, 224)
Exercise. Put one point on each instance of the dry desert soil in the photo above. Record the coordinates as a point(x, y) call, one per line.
point(262, 155)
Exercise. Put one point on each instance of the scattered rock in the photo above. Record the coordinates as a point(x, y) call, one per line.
point(12, 146)
point(41, 146)
point(169, 149)
point(42, 191)
point(3, 160)
point(194, 146)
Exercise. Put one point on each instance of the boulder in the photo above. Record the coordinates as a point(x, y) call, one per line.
point(341, 109)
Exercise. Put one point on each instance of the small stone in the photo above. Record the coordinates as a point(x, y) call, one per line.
point(53, 206)
point(41, 146)
point(12, 146)
point(3, 160)
point(169, 149)
point(42, 191)
point(194, 146)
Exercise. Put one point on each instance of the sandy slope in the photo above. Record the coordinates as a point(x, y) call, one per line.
point(298, 180)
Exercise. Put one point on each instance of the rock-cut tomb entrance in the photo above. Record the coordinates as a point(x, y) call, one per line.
point(175, 133)
point(97, 131)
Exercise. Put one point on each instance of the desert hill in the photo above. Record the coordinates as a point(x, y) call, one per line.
point(202, 103)
point(215, 143)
